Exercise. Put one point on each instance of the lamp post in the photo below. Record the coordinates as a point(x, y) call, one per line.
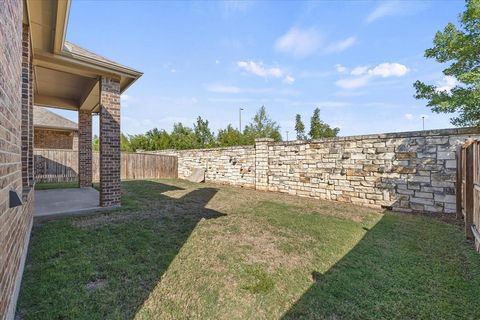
point(423, 122)
point(240, 119)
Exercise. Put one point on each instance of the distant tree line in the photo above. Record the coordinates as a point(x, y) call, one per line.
point(201, 136)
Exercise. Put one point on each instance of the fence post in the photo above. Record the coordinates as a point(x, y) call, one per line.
point(469, 191)
point(458, 185)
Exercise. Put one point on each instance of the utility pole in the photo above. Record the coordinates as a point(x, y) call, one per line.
point(423, 122)
point(240, 119)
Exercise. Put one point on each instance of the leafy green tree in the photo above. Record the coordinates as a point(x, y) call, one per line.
point(204, 135)
point(125, 143)
point(461, 48)
point(299, 127)
point(158, 139)
point(183, 137)
point(262, 127)
point(95, 143)
point(140, 142)
point(230, 137)
point(319, 129)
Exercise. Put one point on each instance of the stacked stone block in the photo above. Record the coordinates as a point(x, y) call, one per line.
point(411, 171)
point(234, 166)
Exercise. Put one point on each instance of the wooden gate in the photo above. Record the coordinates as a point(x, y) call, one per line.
point(468, 189)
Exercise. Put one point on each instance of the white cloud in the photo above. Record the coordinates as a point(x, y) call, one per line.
point(447, 84)
point(299, 42)
point(340, 68)
point(358, 71)
point(408, 116)
point(395, 8)
point(259, 69)
point(385, 70)
point(289, 79)
point(363, 75)
point(341, 45)
point(125, 99)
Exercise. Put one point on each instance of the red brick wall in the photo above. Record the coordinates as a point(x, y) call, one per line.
point(109, 142)
point(15, 223)
point(55, 139)
point(85, 148)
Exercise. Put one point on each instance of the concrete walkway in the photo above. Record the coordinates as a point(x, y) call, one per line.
point(55, 203)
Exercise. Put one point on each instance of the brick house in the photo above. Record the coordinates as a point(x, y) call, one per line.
point(52, 131)
point(38, 66)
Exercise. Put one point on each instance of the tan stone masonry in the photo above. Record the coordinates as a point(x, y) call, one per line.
point(409, 171)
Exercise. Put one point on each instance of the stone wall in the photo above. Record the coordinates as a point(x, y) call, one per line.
point(235, 165)
point(16, 131)
point(409, 171)
point(55, 139)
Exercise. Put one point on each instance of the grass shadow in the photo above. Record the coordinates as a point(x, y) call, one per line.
point(400, 269)
point(96, 268)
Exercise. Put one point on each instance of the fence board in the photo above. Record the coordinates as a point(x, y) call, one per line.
point(468, 175)
point(62, 166)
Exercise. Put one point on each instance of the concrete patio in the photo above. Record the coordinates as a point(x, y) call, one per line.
point(56, 203)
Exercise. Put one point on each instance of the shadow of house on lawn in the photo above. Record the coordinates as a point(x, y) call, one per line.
point(398, 270)
point(106, 266)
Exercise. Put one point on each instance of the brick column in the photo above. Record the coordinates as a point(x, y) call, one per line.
point(27, 107)
point(84, 148)
point(110, 191)
point(261, 163)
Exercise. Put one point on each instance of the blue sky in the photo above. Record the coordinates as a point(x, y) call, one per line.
point(355, 60)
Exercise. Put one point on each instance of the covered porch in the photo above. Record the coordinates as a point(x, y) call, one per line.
point(69, 77)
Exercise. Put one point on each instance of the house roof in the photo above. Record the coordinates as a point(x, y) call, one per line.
point(75, 50)
point(44, 118)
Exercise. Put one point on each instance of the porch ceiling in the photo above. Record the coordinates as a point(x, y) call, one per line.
point(65, 90)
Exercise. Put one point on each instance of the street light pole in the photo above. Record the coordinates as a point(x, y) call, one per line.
point(240, 119)
point(423, 122)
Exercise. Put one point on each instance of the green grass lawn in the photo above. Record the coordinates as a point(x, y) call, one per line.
point(55, 185)
point(178, 250)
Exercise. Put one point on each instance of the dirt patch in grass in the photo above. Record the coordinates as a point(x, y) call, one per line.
point(96, 284)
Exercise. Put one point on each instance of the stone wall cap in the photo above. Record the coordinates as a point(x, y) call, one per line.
point(264, 140)
point(391, 135)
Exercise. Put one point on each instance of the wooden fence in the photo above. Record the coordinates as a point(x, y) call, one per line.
point(62, 166)
point(468, 189)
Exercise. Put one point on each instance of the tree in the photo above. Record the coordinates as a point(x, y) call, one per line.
point(158, 139)
point(299, 127)
point(95, 143)
point(319, 129)
point(205, 137)
point(461, 48)
point(230, 137)
point(183, 137)
point(125, 143)
point(262, 127)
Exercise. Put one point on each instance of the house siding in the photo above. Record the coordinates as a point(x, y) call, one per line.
point(55, 139)
point(15, 104)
